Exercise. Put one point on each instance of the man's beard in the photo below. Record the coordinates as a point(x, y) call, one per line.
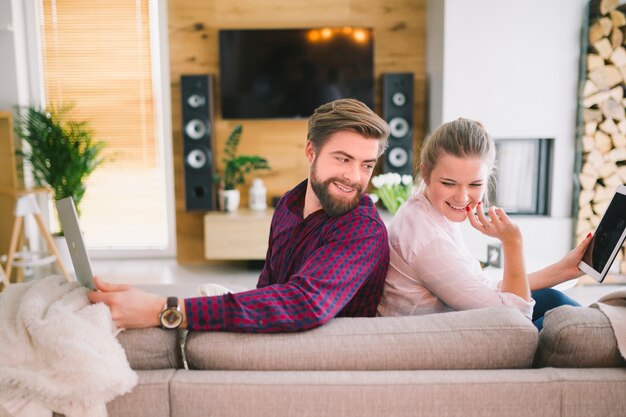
point(332, 205)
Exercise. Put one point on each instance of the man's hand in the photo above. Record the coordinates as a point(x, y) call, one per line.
point(130, 307)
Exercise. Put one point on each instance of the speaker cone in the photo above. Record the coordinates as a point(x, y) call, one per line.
point(197, 159)
point(196, 100)
point(196, 129)
point(399, 127)
point(398, 157)
point(398, 99)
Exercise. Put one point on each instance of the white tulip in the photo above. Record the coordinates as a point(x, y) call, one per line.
point(378, 181)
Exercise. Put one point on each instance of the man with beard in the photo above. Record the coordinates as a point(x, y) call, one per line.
point(328, 249)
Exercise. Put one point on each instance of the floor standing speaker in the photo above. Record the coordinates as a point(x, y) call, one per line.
point(197, 130)
point(398, 112)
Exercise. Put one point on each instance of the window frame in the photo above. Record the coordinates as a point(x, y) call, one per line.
point(163, 114)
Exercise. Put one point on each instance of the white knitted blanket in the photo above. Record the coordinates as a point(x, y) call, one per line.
point(58, 350)
point(613, 305)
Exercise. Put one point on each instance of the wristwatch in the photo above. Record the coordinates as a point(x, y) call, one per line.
point(171, 317)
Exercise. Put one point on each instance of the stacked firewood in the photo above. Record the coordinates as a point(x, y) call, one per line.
point(604, 115)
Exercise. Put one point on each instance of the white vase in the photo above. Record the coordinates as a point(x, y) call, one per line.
point(229, 200)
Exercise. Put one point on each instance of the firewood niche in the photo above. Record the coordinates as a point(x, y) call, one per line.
point(602, 166)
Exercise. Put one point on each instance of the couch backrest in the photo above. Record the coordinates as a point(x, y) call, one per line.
point(490, 338)
point(577, 337)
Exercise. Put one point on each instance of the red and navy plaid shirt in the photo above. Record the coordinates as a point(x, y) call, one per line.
point(316, 268)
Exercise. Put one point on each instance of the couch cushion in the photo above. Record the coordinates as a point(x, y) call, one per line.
point(149, 398)
point(151, 348)
point(475, 339)
point(452, 393)
point(577, 337)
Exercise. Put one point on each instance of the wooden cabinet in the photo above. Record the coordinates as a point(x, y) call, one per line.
point(241, 235)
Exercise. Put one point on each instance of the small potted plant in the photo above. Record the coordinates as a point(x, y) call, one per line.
point(235, 169)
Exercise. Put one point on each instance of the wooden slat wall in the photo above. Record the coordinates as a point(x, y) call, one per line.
point(9, 179)
point(399, 41)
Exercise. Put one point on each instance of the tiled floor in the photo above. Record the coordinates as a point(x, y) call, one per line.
point(166, 277)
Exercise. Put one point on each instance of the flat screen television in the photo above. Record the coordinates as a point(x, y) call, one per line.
point(288, 73)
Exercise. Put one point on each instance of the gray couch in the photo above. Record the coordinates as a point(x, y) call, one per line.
point(489, 362)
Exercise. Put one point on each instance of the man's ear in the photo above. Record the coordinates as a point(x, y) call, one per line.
point(425, 175)
point(309, 151)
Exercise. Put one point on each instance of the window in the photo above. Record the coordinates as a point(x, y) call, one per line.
point(99, 55)
point(522, 175)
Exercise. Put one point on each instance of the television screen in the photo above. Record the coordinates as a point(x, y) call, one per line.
point(288, 73)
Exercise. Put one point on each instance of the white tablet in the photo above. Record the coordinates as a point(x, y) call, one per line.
point(75, 244)
point(608, 239)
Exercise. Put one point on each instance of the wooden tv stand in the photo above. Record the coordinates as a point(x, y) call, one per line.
point(241, 235)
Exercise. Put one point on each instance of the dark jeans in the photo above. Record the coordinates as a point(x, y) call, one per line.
point(547, 299)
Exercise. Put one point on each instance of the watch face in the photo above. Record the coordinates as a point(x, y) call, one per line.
point(171, 318)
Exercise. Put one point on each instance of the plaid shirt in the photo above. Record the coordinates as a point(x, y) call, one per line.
point(316, 268)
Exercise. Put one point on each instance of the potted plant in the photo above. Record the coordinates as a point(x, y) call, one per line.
point(235, 169)
point(61, 154)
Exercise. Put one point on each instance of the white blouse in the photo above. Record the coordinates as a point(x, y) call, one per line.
point(432, 271)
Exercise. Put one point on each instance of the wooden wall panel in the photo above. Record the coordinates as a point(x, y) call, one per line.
point(9, 180)
point(399, 42)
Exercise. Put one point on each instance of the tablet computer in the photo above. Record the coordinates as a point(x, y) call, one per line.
point(74, 238)
point(608, 239)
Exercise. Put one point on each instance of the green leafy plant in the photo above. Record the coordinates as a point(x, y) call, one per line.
point(60, 152)
point(237, 166)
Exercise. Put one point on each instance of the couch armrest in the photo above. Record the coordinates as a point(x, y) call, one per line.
point(151, 348)
point(577, 337)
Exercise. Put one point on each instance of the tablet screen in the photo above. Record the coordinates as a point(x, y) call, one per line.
point(608, 234)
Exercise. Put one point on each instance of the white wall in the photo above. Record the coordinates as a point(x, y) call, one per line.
point(434, 62)
point(513, 65)
point(19, 66)
point(8, 64)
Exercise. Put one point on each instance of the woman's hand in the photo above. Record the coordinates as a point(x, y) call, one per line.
point(561, 271)
point(568, 265)
point(499, 225)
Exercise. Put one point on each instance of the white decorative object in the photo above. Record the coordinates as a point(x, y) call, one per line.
point(229, 200)
point(257, 195)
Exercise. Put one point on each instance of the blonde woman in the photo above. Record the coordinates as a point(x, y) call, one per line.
point(431, 269)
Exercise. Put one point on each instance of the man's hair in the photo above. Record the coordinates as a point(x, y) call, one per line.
point(346, 114)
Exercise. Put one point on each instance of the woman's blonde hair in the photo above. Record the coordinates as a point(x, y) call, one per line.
point(462, 138)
